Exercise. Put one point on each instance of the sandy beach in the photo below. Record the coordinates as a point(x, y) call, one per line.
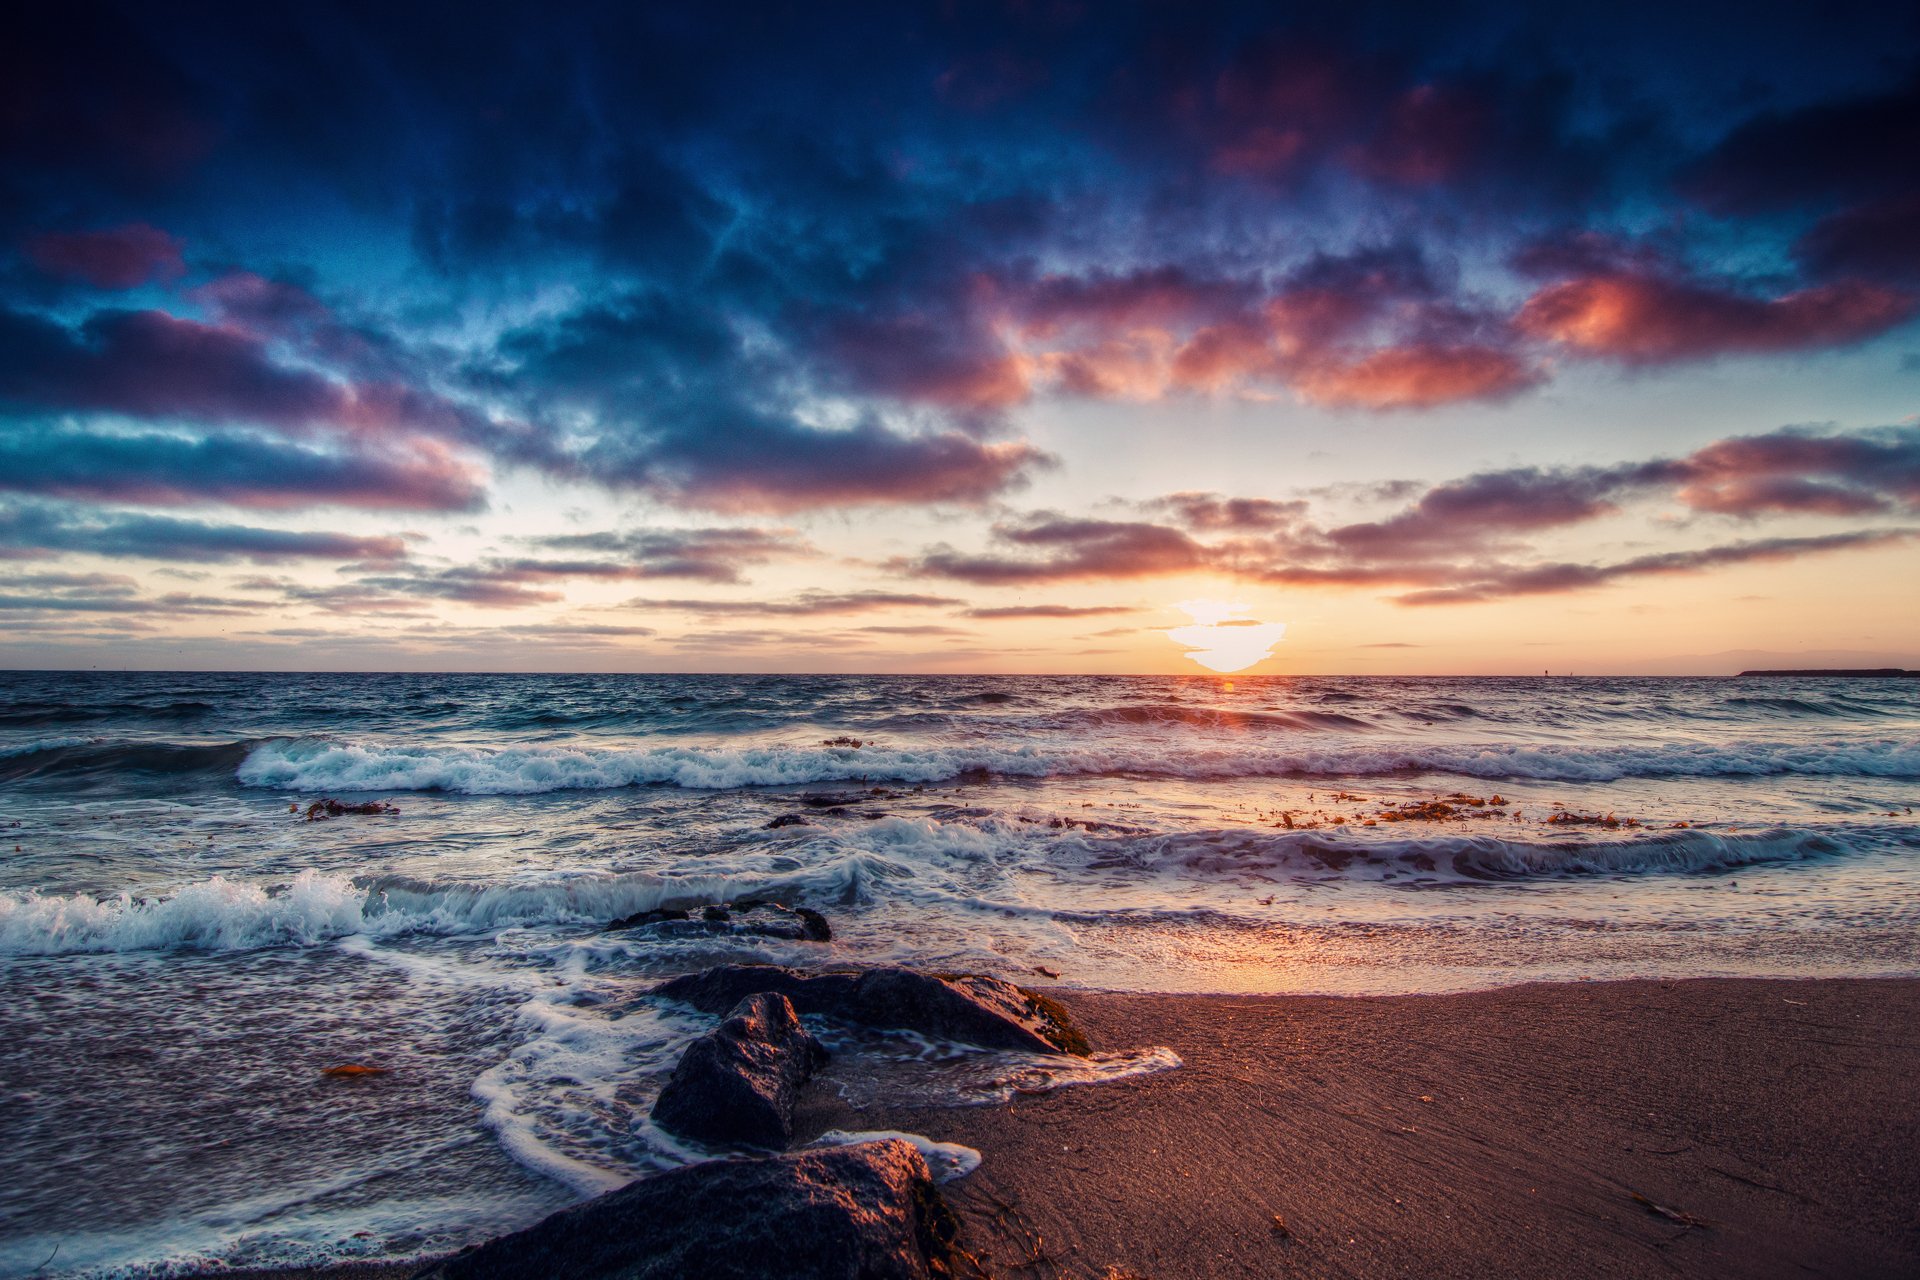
point(1696, 1128)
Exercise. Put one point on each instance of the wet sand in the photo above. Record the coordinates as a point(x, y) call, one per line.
point(1503, 1133)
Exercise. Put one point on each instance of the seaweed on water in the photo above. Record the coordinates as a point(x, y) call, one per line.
point(1568, 818)
point(322, 810)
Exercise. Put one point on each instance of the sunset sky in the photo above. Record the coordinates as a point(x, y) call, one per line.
point(966, 337)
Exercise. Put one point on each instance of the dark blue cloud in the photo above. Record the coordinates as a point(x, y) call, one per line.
point(774, 257)
point(171, 469)
point(31, 529)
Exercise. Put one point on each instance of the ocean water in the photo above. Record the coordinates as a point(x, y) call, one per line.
point(183, 954)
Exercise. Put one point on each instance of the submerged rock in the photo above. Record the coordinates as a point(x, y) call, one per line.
point(760, 919)
point(641, 918)
point(964, 1007)
point(736, 1085)
point(866, 1212)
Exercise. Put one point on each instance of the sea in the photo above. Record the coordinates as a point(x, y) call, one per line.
point(190, 951)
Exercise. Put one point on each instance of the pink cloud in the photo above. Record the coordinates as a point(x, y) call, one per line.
point(1420, 376)
point(1644, 318)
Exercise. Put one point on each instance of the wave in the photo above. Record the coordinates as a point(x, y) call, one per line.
point(1169, 714)
point(68, 757)
point(1793, 706)
point(26, 714)
point(1464, 858)
point(220, 914)
point(215, 915)
point(325, 764)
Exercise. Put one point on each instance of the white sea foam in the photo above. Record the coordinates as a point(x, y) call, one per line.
point(216, 914)
point(315, 764)
point(562, 1103)
point(947, 1161)
point(921, 858)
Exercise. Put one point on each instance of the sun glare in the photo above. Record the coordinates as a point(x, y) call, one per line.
point(1221, 640)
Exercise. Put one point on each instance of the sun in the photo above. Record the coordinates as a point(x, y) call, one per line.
point(1220, 640)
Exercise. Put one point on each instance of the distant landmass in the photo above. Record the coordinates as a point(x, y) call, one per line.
point(1856, 672)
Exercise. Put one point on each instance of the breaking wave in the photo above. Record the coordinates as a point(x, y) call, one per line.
point(327, 764)
point(222, 914)
point(914, 858)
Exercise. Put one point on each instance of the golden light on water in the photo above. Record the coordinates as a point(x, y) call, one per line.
point(1219, 639)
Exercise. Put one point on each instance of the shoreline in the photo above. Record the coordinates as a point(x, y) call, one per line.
point(1771, 1123)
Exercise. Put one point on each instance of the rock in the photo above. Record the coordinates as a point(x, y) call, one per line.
point(736, 1085)
point(764, 919)
point(810, 923)
point(964, 1007)
point(640, 918)
point(788, 820)
point(830, 799)
point(865, 1212)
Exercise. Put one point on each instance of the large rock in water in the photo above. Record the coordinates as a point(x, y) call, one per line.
point(968, 1008)
point(865, 1212)
point(736, 1085)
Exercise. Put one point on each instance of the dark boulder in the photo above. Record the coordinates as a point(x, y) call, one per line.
point(736, 1085)
point(865, 1212)
point(964, 1007)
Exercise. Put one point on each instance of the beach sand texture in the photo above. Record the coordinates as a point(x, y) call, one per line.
point(1783, 1115)
point(1518, 1132)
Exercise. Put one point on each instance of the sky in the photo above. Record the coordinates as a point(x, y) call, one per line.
point(960, 337)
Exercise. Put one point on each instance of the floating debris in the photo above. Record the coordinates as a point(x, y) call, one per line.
point(322, 810)
point(1568, 818)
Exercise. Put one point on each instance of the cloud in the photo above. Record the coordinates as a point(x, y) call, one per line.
point(1470, 539)
point(1049, 611)
point(118, 258)
point(157, 468)
point(921, 630)
point(1875, 241)
point(115, 601)
point(706, 555)
point(806, 604)
point(691, 411)
point(40, 528)
point(1058, 549)
point(1655, 319)
point(710, 555)
point(808, 264)
point(1417, 377)
point(488, 586)
point(1214, 512)
point(1803, 471)
point(1547, 579)
point(1834, 149)
point(1466, 513)
point(1376, 328)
